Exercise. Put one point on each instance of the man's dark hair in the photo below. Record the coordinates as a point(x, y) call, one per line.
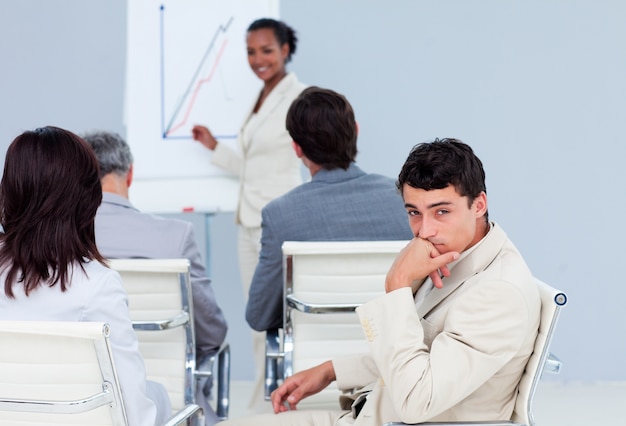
point(322, 123)
point(443, 162)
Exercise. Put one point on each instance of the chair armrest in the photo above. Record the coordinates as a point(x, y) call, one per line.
point(183, 416)
point(223, 351)
point(320, 308)
point(92, 402)
point(165, 324)
point(553, 364)
point(223, 379)
point(273, 358)
point(487, 423)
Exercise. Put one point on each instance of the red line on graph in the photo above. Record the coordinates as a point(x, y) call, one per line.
point(197, 89)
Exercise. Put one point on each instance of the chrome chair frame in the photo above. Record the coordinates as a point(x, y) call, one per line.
point(182, 319)
point(222, 357)
point(39, 334)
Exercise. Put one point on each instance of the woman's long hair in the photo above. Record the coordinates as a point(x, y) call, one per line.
point(49, 194)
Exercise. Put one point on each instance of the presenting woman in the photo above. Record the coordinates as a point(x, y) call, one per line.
point(267, 165)
point(50, 268)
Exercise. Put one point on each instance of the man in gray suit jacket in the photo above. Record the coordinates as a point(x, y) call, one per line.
point(122, 231)
point(451, 337)
point(340, 203)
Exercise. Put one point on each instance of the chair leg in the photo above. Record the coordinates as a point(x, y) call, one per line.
point(273, 358)
point(223, 383)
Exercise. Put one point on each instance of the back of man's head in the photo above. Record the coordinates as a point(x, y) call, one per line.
point(112, 152)
point(322, 123)
point(443, 162)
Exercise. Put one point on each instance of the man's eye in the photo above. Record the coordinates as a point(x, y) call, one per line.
point(443, 211)
point(413, 213)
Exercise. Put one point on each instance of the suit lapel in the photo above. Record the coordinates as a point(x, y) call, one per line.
point(467, 266)
point(273, 100)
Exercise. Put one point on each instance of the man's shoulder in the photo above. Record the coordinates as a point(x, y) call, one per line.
point(122, 216)
point(310, 193)
point(169, 222)
point(377, 187)
point(129, 233)
point(501, 258)
point(383, 180)
point(298, 194)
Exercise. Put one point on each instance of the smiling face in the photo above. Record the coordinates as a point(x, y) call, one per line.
point(266, 56)
point(445, 218)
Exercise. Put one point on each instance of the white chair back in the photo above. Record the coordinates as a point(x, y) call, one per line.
point(551, 302)
point(58, 373)
point(324, 283)
point(160, 306)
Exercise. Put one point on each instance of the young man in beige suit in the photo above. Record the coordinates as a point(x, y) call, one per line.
point(450, 339)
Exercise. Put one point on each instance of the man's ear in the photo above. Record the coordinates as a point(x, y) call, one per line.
point(297, 149)
point(129, 176)
point(480, 204)
point(357, 127)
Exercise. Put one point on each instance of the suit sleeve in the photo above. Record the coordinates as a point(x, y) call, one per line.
point(482, 332)
point(264, 310)
point(209, 321)
point(356, 371)
point(227, 159)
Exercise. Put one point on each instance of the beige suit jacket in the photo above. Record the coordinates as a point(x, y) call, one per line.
point(267, 166)
point(460, 355)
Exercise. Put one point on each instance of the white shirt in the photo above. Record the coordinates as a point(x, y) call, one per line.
point(95, 296)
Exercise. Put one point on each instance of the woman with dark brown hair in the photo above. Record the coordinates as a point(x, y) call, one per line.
point(50, 267)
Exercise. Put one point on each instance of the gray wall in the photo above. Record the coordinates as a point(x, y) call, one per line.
point(536, 87)
point(62, 64)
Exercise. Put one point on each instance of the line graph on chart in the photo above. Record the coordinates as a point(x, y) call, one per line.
point(199, 95)
point(187, 65)
point(207, 88)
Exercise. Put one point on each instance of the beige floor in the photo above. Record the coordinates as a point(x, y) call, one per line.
point(578, 404)
point(556, 403)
